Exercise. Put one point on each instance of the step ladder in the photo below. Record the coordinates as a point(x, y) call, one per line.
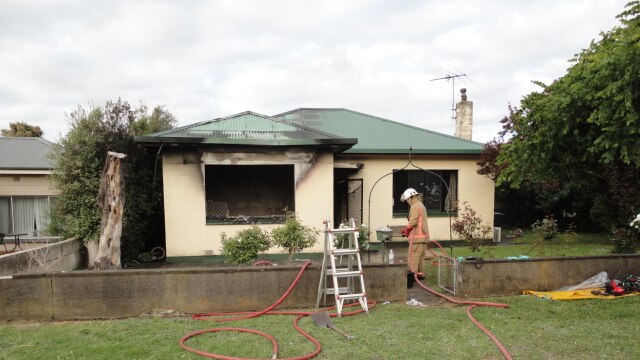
point(344, 267)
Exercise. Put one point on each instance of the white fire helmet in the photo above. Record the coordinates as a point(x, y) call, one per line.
point(408, 193)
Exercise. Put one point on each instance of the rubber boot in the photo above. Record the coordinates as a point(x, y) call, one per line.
point(410, 279)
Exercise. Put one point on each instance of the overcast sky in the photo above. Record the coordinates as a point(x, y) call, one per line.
point(208, 59)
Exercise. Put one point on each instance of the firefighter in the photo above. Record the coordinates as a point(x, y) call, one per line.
point(417, 230)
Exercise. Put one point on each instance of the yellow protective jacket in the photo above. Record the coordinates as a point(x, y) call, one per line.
point(418, 221)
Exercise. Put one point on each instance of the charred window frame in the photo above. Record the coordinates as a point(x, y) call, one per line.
point(237, 194)
point(439, 197)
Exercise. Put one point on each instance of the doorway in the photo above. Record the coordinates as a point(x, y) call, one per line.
point(347, 201)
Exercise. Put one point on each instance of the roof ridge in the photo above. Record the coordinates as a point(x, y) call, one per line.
point(39, 139)
point(313, 130)
point(249, 112)
point(180, 128)
point(383, 119)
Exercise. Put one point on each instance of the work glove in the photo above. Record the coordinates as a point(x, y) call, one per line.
point(406, 231)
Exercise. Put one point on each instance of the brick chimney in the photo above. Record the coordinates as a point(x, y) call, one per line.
point(464, 116)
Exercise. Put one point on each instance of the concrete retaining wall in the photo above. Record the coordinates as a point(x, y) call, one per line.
point(126, 293)
point(59, 256)
point(135, 292)
point(510, 277)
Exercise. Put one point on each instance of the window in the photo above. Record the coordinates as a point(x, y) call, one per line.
point(25, 214)
point(439, 189)
point(249, 193)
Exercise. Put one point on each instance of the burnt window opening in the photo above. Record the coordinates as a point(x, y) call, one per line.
point(439, 190)
point(249, 193)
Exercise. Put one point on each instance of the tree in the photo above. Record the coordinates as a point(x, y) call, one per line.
point(20, 129)
point(79, 163)
point(579, 134)
point(143, 226)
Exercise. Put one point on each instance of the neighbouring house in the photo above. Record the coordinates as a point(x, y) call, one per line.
point(226, 174)
point(26, 191)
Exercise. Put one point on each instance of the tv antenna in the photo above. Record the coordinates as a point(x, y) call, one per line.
point(452, 76)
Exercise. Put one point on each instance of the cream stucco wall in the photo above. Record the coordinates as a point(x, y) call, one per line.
point(476, 189)
point(187, 233)
point(26, 185)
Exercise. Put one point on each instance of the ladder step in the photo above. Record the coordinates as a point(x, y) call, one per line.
point(352, 296)
point(344, 273)
point(345, 251)
point(337, 271)
point(342, 290)
point(343, 231)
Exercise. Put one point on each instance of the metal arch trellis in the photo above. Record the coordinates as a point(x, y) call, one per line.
point(410, 162)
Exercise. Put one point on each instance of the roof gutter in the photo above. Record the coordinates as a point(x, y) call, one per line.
point(25, 172)
point(338, 145)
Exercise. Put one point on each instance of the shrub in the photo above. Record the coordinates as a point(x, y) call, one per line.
point(469, 226)
point(548, 227)
point(294, 237)
point(627, 240)
point(635, 224)
point(244, 247)
point(363, 236)
point(342, 241)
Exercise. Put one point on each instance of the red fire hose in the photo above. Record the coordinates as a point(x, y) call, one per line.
point(222, 317)
point(472, 304)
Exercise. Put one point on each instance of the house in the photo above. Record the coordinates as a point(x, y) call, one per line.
point(223, 175)
point(26, 191)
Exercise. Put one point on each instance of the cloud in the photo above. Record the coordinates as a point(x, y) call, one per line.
point(204, 59)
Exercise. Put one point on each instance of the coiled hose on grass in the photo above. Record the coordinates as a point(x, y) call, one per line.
point(241, 315)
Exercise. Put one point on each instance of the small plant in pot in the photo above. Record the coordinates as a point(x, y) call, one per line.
point(294, 237)
point(244, 246)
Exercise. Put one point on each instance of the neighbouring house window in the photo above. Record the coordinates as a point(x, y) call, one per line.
point(237, 194)
point(439, 189)
point(25, 214)
point(5, 215)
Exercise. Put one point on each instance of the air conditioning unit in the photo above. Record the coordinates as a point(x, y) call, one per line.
point(497, 234)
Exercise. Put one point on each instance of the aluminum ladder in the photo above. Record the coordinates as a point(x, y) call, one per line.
point(347, 279)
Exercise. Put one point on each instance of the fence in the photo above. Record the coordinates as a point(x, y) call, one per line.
point(59, 256)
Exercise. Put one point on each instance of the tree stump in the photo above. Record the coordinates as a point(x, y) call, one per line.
point(111, 202)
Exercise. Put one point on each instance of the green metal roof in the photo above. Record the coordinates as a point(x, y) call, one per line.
point(377, 135)
point(342, 129)
point(248, 129)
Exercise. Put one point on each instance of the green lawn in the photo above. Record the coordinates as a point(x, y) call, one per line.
point(564, 244)
point(530, 329)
